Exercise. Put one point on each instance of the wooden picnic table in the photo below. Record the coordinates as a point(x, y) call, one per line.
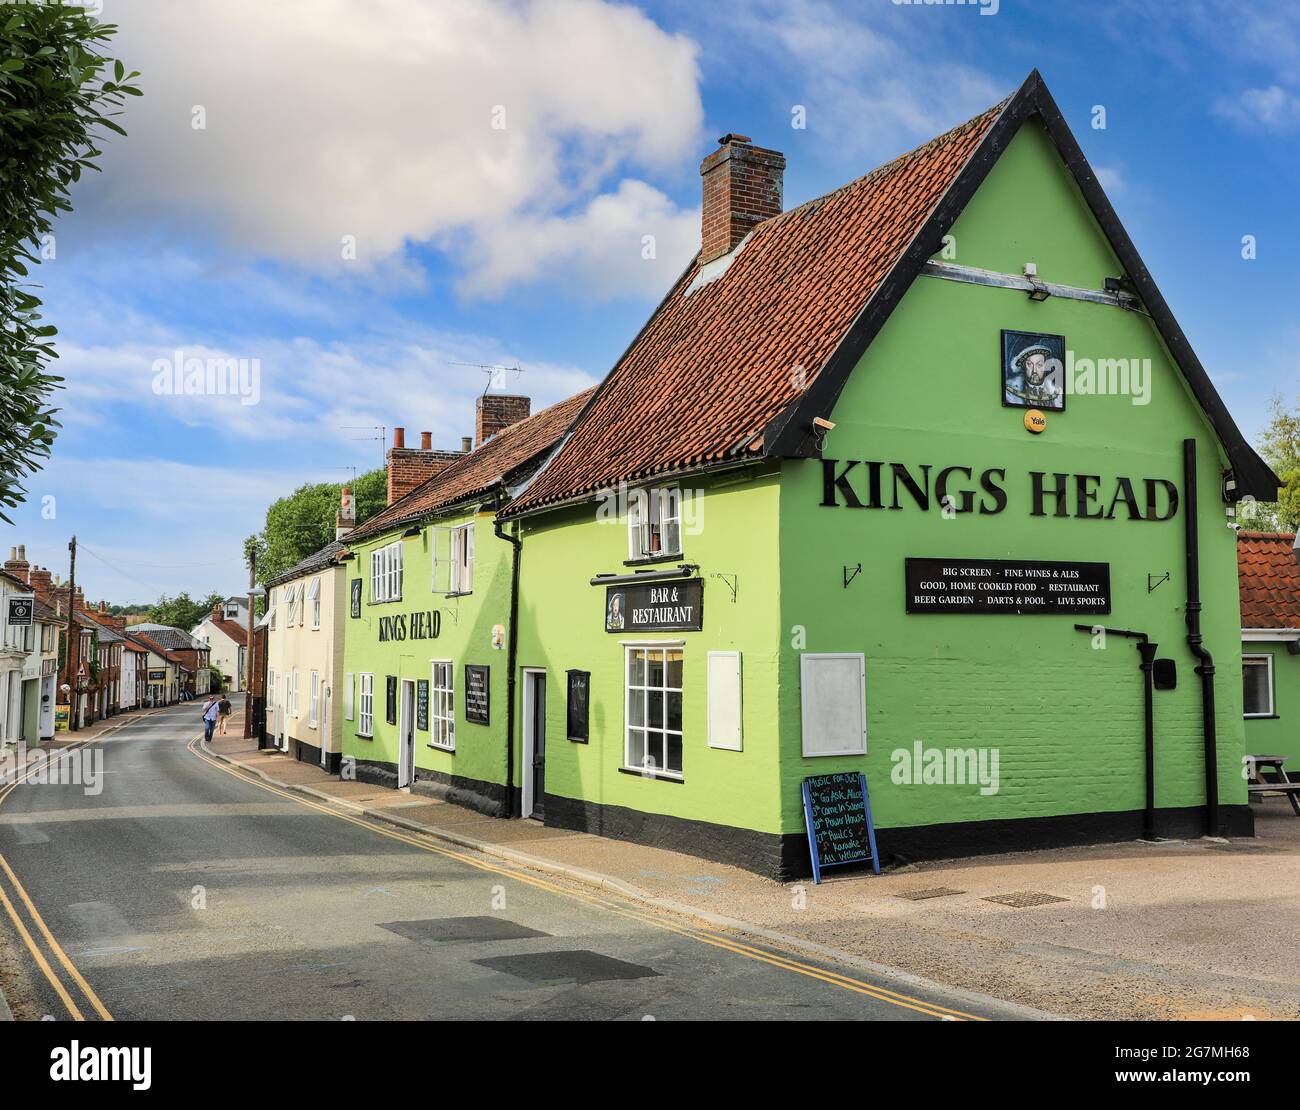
point(1259, 785)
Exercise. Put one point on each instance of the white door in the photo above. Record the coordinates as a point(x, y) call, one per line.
point(283, 742)
point(325, 726)
point(406, 731)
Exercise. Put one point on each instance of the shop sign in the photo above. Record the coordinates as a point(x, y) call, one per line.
point(158, 676)
point(655, 607)
point(578, 705)
point(21, 610)
point(1008, 586)
point(422, 704)
point(410, 626)
point(62, 716)
point(477, 705)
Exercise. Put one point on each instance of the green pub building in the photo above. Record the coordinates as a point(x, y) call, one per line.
point(920, 479)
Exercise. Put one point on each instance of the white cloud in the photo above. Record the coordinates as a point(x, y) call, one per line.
point(1111, 179)
point(1265, 109)
point(330, 118)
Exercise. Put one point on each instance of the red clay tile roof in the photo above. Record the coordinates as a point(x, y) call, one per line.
point(1269, 577)
point(232, 629)
point(713, 366)
point(500, 458)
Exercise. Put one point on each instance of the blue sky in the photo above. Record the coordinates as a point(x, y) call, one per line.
point(490, 170)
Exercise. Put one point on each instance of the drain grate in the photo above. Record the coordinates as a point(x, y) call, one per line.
point(567, 967)
point(929, 892)
point(448, 930)
point(1022, 899)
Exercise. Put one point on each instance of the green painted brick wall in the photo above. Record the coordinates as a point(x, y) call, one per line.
point(465, 637)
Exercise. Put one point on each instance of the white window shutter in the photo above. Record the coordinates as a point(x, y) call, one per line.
point(441, 550)
point(833, 692)
point(347, 696)
point(468, 584)
point(636, 515)
point(724, 700)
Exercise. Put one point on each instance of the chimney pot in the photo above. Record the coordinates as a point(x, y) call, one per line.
point(466, 444)
point(399, 438)
point(426, 441)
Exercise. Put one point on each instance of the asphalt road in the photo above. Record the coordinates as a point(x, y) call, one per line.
point(185, 891)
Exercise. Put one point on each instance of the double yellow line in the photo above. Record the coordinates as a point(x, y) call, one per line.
point(704, 936)
point(49, 953)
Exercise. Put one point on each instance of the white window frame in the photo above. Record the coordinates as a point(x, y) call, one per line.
point(386, 573)
point(648, 512)
point(313, 706)
point(366, 705)
point(348, 696)
point(442, 705)
point(292, 590)
point(313, 595)
point(462, 559)
point(1255, 660)
point(630, 648)
point(806, 661)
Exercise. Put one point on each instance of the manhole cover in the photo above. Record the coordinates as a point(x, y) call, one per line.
point(1024, 898)
point(443, 930)
point(566, 967)
point(929, 892)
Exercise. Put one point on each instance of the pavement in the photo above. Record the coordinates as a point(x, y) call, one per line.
point(181, 885)
point(1185, 929)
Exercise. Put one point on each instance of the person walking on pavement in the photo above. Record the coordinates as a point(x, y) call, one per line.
point(223, 711)
point(210, 711)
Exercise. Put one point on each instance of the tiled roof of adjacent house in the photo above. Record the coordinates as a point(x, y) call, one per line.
point(716, 363)
point(167, 637)
point(1269, 577)
point(505, 457)
point(232, 629)
point(317, 560)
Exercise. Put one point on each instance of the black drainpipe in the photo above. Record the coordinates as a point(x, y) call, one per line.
point(1147, 653)
point(512, 652)
point(1205, 666)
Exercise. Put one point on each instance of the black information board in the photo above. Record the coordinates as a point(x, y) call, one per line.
point(356, 598)
point(390, 704)
point(579, 695)
point(476, 694)
point(1012, 586)
point(655, 607)
point(837, 815)
point(422, 704)
point(21, 610)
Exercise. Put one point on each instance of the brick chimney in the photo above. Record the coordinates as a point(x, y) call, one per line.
point(42, 582)
point(16, 564)
point(346, 518)
point(408, 467)
point(218, 611)
point(494, 412)
point(742, 187)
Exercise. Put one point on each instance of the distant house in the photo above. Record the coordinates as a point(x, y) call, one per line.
point(227, 639)
point(1269, 579)
point(189, 654)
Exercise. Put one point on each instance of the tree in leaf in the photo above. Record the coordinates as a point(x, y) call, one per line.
point(55, 97)
point(182, 611)
point(302, 523)
point(1280, 446)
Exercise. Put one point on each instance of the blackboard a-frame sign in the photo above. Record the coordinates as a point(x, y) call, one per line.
point(837, 815)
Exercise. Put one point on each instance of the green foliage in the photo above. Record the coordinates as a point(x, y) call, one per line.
point(182, 611)
point(55, 95)
point(1280, 446)
point(303, 523)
